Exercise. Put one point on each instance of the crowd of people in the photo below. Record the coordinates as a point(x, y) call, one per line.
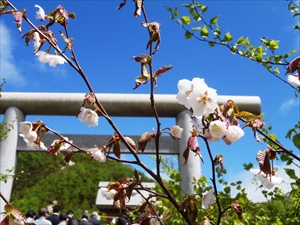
point(57, 218)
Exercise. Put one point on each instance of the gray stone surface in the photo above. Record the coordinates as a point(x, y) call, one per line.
point(133, 105)
point(192, 169)
point(167, 144)
point(8, 150)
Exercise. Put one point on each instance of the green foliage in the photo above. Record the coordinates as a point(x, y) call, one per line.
point(5, 176)
point(294, 135)
point(210, 32)
point(294, 8)
point(40, 180)
point(5, 129)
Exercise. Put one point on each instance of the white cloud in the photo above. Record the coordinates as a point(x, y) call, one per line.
point(286, 106)
point(8, 68)
point(252, 190)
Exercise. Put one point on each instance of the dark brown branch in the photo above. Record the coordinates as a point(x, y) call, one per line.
point(213, 179)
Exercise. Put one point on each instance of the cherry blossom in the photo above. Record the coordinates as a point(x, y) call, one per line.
point(294, 80)
point(53, 60)
point(25, 128)
point(88, 116)
point(268, 181)
point(36, 42)
point(175, 132)
point(202, 99)
point(109, 195)
point(207, 199)
point(31, 144)
point(217, 129)
point(185, 87)
point(40, 15)
point(98, 154)
point(233, 133)
point(58, 145)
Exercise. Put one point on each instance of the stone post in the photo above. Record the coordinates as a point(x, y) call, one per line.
point(192, 169)
point(8, 150)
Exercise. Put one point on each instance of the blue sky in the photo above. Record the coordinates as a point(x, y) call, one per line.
point(106, 39)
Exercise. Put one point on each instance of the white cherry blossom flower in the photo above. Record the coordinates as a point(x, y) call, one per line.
point(175, 132)
point(88, 116)
point(40, 15)
point(65, 145)
point(234, 133)
point(58, 145)
point(109, 195)
point(25, 128)
point(33, 145)
point(203, 99)
point(36, 42)
point(207, 199)
point(293, 80)
point(268, 181)
point(53, 60)
point(98, 154)
point(56, 59)
point(185, 87)
point(217, 129)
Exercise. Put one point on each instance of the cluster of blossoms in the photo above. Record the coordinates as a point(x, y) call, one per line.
point(30, 136)
point(207, 119)
point(268, 181)
point(45, 57)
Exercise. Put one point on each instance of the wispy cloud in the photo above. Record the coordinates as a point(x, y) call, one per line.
point(286, 106)
point(8, 68)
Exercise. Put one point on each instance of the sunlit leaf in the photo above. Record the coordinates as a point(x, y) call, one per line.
point(240, 41)
point(186, 20)
point(196, 28)
point(214, 20)
point(291, 173)
point(204, 32)
point(188, 35)
point(296, 140)
point(211, 43)
point(276, 71)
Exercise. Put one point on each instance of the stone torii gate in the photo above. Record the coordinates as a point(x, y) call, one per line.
point(18, 104)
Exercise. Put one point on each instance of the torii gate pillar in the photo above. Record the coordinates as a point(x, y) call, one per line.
point(8, 149)
point(192, 169)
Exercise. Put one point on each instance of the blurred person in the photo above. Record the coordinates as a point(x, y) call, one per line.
point(70, 215)
point(95, 219)
point(43, 213)
point(84, 220)
point(124, 218)
point(54, 218)
point(30, 216)
point(63, 220)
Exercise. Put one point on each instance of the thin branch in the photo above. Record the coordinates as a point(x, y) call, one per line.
point(3, 198)
point(213, 179)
